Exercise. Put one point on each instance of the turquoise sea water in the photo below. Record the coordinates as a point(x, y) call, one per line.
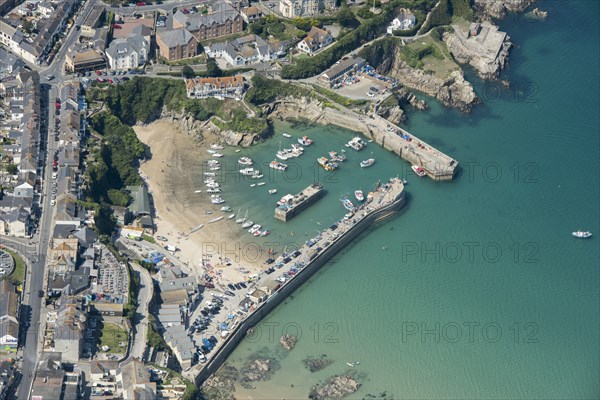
point(476, 289)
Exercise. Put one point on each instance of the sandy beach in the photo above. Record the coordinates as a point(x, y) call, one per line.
point(174, 174)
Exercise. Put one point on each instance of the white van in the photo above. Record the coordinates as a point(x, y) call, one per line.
point(54, 175)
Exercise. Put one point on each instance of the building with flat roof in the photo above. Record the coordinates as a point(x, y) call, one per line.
point(93, 21)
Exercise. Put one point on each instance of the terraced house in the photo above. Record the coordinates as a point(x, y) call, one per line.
point(228, 87)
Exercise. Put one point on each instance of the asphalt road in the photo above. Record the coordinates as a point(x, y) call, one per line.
point(141, 317)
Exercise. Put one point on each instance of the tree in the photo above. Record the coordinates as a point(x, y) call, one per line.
point(188, 72)
point(212, 68)
point(12, 169)
point(346, 18)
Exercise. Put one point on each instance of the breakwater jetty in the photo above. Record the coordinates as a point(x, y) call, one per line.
point(299, 202)
point(382, 203)
point(437, 165)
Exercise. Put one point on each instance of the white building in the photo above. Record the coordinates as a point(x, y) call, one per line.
point(246, 50)
point(315, 40)
point(304, 8)
point(404, 22)
point(127, 53)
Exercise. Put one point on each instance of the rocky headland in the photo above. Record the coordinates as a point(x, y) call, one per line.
point(482, 46)
point(497, 9)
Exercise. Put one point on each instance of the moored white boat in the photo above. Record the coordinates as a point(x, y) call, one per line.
point(260, 183)
point(247, 224)
point(582, 234)
point(272, 191)
point(367, 163)
point(287, 135)
point(278, 165)
point(245, 161)
point(215, 220)
point(216, 146)
point(231, 216)
point(218, 155)
point(305, 141)
point(359, 195)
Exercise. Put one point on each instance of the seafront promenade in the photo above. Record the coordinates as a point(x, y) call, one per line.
point(386, 200)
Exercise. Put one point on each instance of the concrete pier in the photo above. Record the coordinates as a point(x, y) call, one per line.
point(381, 204)
point(299, 202)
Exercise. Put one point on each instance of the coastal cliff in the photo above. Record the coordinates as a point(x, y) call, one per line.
point(489, 9)
point(424, 65)
point(485, 49)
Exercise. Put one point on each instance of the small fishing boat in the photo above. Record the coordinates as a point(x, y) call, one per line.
point(214, 168)
point(305, 141)
point(272, 191)
point(278, 166)
point(213, 190)
point(245, 161)
point(218, 155)
point(353, 363)
point(582, 234)
point(347, 204)
point(209, 174)
point(238, 150)
point(231, 216)
point(215, 220)
point(287, 135)
point(359, 195)
point(197, 228)
point(418, 170)
point(226, 209)
point(265, 233)
point(241, 220)
point(216, 146)
point(260, 183)
point(256, 176)
point(253, 185)
point(367, 163)
point(247, 171)
point(211, 151)
point(326, 164)
point(197, 191)
point(255, 227)
point(247, 224)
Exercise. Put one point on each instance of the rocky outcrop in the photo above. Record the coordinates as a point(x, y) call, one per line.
point(197, 128)
point(317, 364)
point(394, 114)
point(452, 91)
point(220, 385)
point(288, 342)
point(487, 52)
point(257, 370)
point(538, 14)
point(488, 9)
point(337, 387)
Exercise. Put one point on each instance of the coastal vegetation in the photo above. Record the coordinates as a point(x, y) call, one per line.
point(447, 11)
point(368, 30)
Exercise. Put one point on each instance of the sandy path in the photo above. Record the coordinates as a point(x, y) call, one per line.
point(173, 174)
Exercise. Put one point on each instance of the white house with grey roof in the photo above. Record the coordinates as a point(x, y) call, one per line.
point(127, 53)
point(246, 50)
